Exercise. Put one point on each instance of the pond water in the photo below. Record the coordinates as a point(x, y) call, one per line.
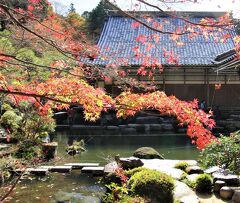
point(80, 188)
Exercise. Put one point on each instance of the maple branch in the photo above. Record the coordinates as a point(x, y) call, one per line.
point(182, 18)
point(143, 23)
point(33, 64)
point(4, 91)
point(48, 41)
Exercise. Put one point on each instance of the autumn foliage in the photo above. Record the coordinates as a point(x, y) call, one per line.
point(67, 76)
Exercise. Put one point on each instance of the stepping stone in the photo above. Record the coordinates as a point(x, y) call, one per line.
point(218, 185)
point(226, 192)
point(59, 169)
point(212, 170)
point(184, 194)
point(231, 180)
point(99, 170)
point(34, 171)
point(236, 196)
point(81, 165)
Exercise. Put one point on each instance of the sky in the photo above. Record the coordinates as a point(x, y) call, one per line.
point(203, 5)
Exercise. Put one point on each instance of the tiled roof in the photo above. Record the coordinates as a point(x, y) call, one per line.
point(118, 39)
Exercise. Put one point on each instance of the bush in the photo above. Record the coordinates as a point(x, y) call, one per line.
point(152, 184)
point(224, 153)
point(204, 183)
point(116, 193)
point(182, 165)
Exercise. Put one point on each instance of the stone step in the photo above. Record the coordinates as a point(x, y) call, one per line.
point(34, 171)
point(99, 170)
point(59, 169)
point(81, 165)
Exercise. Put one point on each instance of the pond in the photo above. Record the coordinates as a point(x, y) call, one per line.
point(80, 188)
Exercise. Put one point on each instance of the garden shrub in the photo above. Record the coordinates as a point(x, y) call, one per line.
point(204, 183)
point(224, 153)
point(115, 193)
point(7, 165)
point(182, 165)
point(152, 184)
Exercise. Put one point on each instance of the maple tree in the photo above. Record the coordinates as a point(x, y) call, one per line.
point(43, 65)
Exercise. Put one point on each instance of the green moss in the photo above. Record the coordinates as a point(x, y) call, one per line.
point(182, 165)
point(204, 183)
point(131, 172)
point(152, 184)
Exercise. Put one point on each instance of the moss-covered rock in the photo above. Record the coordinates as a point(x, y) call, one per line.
point(130, 173)
point(152, 184)
point(182, 165)
point(147, 153)
point(204, 183)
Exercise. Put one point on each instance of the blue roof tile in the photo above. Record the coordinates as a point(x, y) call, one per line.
point(118, 39)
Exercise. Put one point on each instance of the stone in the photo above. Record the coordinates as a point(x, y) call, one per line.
point(114, 128)
point(59, 169)
point(236, 196)
point(129, 131)
point(49, 150)
point(155, 127)
point(62, 197)
point(110, 167)
point(194, 170)
point(130, 162)
point(226, 192)
point(148, 120)
point(94, 170)
point(81, 165)
point(147, 153)
point(184, 194)
point(212, 170)
point(167, 127)
point(192, 177)
point(34, 171)
point(165, 166)
point(230, 180)
point(166, 162)
point(218, 185)
point(174, 172)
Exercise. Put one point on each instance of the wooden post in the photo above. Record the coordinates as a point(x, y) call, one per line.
point(163, 80)
point(208, 87)
point(184, 76)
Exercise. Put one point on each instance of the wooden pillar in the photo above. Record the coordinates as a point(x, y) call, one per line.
point(164, 82)
point(208, 86)
point(184, 76)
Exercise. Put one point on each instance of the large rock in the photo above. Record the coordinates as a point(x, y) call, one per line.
point(236, 196)
point(218, 185)
point(147, 153)
point(194, 170)
point(130, 162)
point(231, 180)
point(110, 167)
point(184, 194)
point(165, 166)
point(226, 192)
point(192, 177)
